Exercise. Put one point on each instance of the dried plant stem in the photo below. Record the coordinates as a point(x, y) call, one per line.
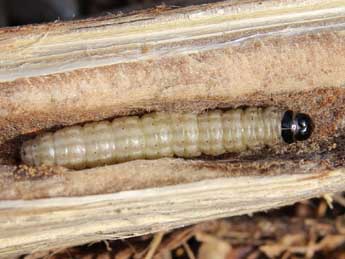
point(287, 53)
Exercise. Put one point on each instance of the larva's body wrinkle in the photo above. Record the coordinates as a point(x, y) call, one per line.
point(163, 134)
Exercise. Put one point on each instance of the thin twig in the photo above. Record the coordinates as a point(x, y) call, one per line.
point(157, 239)
point(189, 251)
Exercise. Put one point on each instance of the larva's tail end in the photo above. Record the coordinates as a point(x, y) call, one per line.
point(26, 153)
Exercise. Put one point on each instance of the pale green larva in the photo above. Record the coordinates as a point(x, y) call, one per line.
point(165, 134)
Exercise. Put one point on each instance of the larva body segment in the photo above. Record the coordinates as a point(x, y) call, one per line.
point(157, 135)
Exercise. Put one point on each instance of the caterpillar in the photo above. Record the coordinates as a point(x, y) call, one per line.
point(164, 134)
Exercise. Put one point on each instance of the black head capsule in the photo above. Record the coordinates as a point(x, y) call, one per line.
point(296, 126)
